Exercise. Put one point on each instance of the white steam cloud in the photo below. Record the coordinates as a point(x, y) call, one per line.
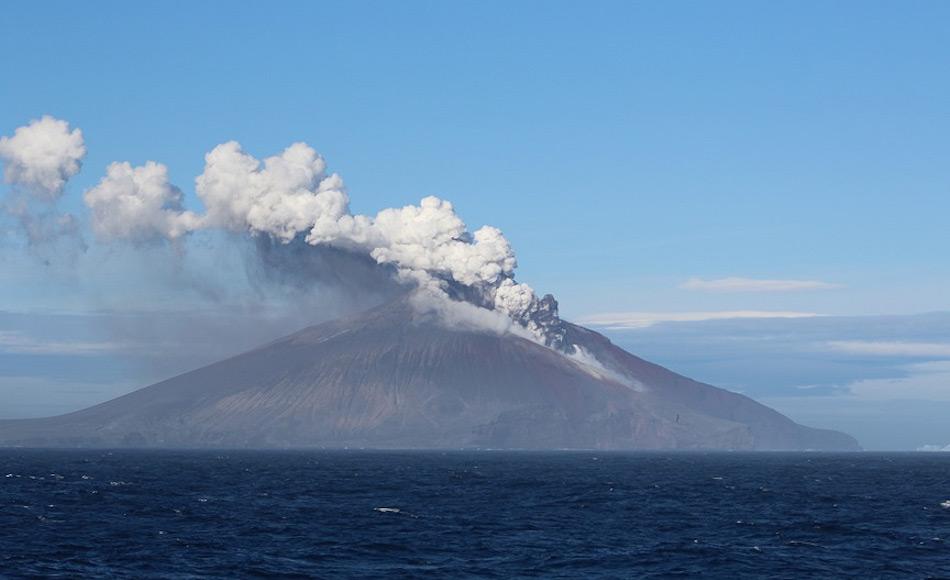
point(138, 204)
point(282, 196)
point(38, 161)
point(42, 156)
point(290, 197)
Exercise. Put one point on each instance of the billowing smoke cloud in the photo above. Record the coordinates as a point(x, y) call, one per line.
point(42, 156)
point(138, 204)
point(38, 161)
point(318, 278)
point(300, 216)
point(291, 198)
point(284, 196)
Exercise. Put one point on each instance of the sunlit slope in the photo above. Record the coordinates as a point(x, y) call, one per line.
point(388, 379)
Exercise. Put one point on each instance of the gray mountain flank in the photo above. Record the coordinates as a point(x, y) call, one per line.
point(389, 379)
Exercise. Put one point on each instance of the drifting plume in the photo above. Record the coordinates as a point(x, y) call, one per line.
point(138, 204)
point(39, 159)
point(290, 197)
point(42, 156)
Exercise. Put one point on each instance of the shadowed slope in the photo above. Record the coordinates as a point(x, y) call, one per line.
point(389, 379)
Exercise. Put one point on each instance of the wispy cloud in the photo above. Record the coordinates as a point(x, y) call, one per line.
point(934, 448)
point(896, 349)
point(12, 342)
point(928, 381)
point(736, 284)
point(622, 320)
point(887, 402)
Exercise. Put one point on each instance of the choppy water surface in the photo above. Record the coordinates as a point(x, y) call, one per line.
point(488, 514)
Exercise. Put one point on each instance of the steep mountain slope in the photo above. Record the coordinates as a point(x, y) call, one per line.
point(389, 379)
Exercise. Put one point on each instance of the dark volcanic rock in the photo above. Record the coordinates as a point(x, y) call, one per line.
point(386, 379)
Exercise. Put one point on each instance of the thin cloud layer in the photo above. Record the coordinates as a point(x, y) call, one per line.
point(929, 381)
point(634, 320)
point(892, 401)
point(12, 342)
point(893, 349)
point(736, 284)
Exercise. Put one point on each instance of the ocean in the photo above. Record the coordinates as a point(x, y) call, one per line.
point(487, 514)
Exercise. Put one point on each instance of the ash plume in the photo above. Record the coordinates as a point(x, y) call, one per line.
point(299, 217)
point(42, 156)
point(320, 274)
point(138, 204)
point(39, 159)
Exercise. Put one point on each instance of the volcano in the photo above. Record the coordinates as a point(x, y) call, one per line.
point(390, 378)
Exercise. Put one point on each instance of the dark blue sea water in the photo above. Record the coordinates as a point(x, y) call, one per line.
point(164, 514)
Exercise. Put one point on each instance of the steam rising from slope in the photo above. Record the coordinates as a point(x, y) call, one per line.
point(290, 198)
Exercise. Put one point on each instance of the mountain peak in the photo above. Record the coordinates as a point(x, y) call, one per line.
point(392, 377)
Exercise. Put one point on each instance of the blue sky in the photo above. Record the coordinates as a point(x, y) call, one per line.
point(625, 148)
